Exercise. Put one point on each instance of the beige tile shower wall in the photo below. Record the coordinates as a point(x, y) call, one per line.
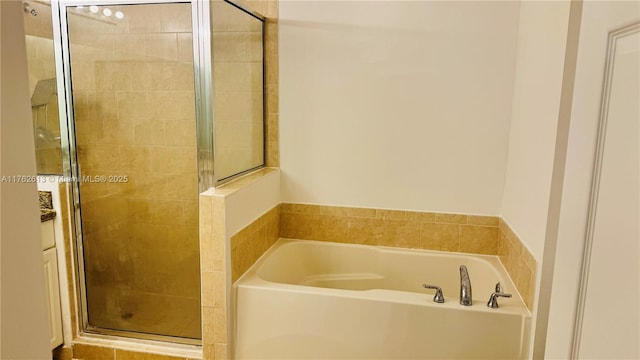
point(252, 241)
point(419, 230)
point(213, 276)
point(519, 262)
point(237, 50)
point(272, 111)
point(135, 119)
point(269, 9)
point(40, 60)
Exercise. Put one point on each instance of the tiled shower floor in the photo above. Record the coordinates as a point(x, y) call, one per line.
point(145, 313)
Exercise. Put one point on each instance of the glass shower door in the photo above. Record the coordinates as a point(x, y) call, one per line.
point(134, 116)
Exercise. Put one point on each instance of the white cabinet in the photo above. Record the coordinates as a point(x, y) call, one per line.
point(46, 234)
point(52, 286)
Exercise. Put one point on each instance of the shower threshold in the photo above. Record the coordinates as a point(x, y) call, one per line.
point(134, 335)
point(154, 344)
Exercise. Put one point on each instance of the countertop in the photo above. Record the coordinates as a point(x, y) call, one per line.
point(46, 206)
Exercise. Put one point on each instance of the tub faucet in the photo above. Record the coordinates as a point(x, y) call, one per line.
point(465, 287)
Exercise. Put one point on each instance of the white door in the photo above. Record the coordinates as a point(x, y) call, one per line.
point(595, 303)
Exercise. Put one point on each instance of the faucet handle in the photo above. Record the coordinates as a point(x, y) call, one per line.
point(438, 297)
point(493, 300)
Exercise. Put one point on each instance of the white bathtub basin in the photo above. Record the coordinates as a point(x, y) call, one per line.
point(316, 300)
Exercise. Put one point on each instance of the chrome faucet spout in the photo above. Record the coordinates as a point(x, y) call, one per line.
point(465, 287)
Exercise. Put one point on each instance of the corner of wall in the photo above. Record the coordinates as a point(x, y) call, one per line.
point(519, 262)
point(534, 117)
point(24, 330)
point(532, 141)
point(228, 214)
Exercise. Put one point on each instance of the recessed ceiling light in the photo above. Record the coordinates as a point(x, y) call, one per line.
point(106, 12)
point(94, 9)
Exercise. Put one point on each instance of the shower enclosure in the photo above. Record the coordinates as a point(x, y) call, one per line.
point(153, 92)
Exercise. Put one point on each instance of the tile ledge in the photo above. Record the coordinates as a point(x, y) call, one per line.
point(241, 182)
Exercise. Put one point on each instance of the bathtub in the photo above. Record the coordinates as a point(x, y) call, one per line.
point(317, 300)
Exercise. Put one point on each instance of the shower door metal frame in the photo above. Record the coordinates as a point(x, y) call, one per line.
point(71, 172)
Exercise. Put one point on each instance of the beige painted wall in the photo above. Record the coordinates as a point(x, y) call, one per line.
point(396, 105)
point(534, 121)
point(536, 104)
point(24, 329)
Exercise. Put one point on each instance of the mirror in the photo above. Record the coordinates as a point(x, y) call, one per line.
point(42, 86)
